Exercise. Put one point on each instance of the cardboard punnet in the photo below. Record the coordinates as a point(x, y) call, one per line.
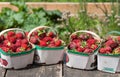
point(16, 60)
point(83, 60)
point(109, 62)
point(44, 54)
point(49, 55)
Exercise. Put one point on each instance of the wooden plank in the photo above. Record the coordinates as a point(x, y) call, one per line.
point(71, 72)
point(73, 8)
point(2, 72)
point(37, 71)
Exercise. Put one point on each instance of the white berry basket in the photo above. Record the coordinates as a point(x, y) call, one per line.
point(46, 55)
point(15, 60)
point(81, 60)
point(109, 62)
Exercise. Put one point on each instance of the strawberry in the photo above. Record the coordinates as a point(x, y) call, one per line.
point(35, 33)
point(19, 35)
point(83, 37)
point(12, 39)
point(88, 50)
point(13, 47)
point(72, 45)
point(80, 49)
point(109, 42)
point(108, 49)
point(43, 43)
point(33, 40)
point(47, 39)
point(114, 45)
point(11, 33)
point(118, 38)
point(28, 49)
point(102, 50)
point(58, 43)
point(24, 41)
point(20, 49)
point(24, 46)
point(74, 36)
point(51, 34)
point(51, 45)
point(41, 36)
point(94, 46)
point(5, 49)
point(6, 43)
point(91, 41)
point(2, 38)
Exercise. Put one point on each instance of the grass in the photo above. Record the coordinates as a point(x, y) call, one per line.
point(59, 0)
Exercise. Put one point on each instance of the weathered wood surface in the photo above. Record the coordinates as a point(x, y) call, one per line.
point(37, 71)
point(73, 8)
point(2, 72)
point(70, 72)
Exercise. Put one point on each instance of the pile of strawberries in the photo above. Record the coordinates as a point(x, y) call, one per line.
point(14, 42)
point(44, 38)
point(84, 42)
point(110, 46)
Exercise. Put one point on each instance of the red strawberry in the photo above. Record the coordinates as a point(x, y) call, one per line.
point(13, 47)
point(114, 45)
point(88, 50)
point(80, 49)
point(51, 34)
point(19, 35)
point(74, 36)
point(24, 46)
point(58, 43)
point(11, 33)
point(20, 49)
point(5, 49)
point(12, 39)
point(43, 43)
point(47, 39)
point(72, 45)
point(18, 42)
point(24, 41)
point(118, 38)
point(41, 36)
point(2, 38)
point(6, 43)
point(33, 40)
point(102, 50)
point(35, 33)
point(28, 48)
point(108, 49)
point(83, 37)
point(94, 46)
point(91, 41)
point(109, 42)
point(51, 45)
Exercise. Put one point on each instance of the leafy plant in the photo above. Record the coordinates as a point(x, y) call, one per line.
point(27, 18)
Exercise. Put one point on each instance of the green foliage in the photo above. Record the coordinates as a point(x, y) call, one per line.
point(27, 18)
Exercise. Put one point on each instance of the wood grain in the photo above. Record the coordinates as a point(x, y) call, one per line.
point(2, 72)
point(37, 71)
point(71, 72)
